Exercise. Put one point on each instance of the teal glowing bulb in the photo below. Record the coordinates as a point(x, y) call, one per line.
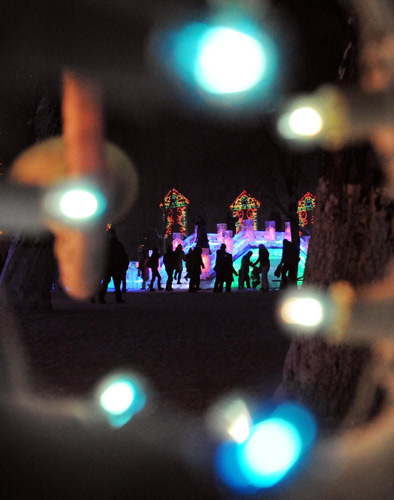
point(229, 61)
point(119, 398)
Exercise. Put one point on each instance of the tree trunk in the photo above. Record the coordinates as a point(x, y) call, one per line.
point(353, 236)
point(28, 271)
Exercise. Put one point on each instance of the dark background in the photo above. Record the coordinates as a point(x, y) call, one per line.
point(174, 141)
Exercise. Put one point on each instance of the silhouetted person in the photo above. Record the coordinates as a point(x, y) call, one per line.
point(195, 265)
point(124, 280)
point(244, 271)
point(290, 258)
point(143, 269)
point(264, 266)
point(153, 263)
point(202, 235)
point(116, 266)
point(229, 271)
point(255, 277)
point(220, 268)
point(179, 255)
point(169, 264)
point(231, 222)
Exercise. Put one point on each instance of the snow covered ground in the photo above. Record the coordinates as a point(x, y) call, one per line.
point(191, 348)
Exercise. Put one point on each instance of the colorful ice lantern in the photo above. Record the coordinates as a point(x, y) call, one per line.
point(287, 235)
point(177, 240)
point(228, 241)
point(207, 263)
point(245, 207)
point(220, 230)
point(174, 212)
point(270, 232)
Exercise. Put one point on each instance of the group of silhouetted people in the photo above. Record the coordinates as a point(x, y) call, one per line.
point(117, 264)
point(225, 271)
point(173, 262)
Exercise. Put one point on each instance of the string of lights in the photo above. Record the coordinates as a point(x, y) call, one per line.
point(243, 207)
point(174, 212)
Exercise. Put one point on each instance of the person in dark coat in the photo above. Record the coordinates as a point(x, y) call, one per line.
point(143, 269)
point(289, 263)
point(169, 264)
point(188, 260)
point(117, 264)
point(229, 271)
point(244, 271)
point(264, 266)
point(220, 269)
point(195, 265)
point(179, 255)
point(153, 263)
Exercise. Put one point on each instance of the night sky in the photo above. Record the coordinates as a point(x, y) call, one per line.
point(173, 141)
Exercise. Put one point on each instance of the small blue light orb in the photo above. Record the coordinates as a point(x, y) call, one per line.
point(120, 397)
point(273, 448)
point(228, 468)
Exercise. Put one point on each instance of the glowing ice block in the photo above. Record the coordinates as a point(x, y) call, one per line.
point(220, 230)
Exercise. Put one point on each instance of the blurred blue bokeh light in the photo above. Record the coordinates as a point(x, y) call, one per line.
point(220, 59)
point(301, 418)
point(273, 448)
point(228, 61)
point(120, 397)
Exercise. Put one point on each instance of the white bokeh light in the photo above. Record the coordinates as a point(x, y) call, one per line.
point(78, 204)
point(305, 121)
point(239, 429)
point(117, 398)
point(229, 61)
point(273, 447)
point(303, 311)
